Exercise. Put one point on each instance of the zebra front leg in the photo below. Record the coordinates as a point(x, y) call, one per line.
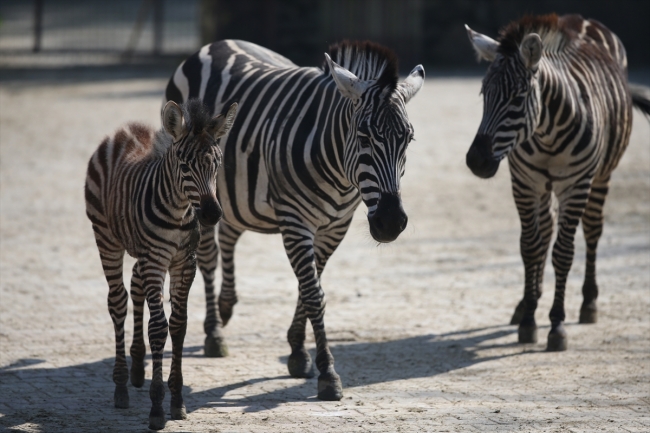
point(592, 225)
point(571, 210)
point(298, 243)
point(118, 300)
point(228, 237)
point(536, 230)
point(181, 278)
point(154, 277)
point(300, 363)
point(207, 256)
point(138, 348)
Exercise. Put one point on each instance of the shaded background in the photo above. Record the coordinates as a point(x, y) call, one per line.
point(420, 31)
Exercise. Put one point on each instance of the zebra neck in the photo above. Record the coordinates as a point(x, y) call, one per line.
point(168, 193)
point(560, 110)
point(334, 141)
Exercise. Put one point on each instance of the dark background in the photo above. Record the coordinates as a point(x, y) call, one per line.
point(430, 32)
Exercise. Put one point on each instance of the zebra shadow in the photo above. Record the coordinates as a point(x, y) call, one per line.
point(65, 398)
point(366, 363)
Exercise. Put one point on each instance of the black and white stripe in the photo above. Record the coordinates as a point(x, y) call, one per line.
point(145, 193)
point(557, 104)
point(310, 145)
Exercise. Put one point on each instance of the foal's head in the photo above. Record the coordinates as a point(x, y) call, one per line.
point(195, 135)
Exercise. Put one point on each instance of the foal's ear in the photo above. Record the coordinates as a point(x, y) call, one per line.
point(221, 124)
point(348, 84)
point(172, 119)
point(531, 50)
point(484, 46)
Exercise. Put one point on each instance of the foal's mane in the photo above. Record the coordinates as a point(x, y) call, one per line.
point(556, 32)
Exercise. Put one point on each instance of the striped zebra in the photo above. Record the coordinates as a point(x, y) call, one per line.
point(145, 191)
point(310, 145)
point(557, 104)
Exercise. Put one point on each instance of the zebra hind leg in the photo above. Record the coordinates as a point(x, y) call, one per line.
point(118, 300)
point(300, 364)
point(228, 237)
point(207, 255)
point(138, 348)
point(592, 225)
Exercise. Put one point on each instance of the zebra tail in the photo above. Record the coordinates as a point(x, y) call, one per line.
point(641, 98)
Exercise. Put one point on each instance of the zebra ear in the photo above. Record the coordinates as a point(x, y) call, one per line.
point(412, 84)
point(531, 50)
point(348, 84)
point(172, 119)
point(221, 124)
point(485, 46)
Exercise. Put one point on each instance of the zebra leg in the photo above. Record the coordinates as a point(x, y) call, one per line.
point(153, 273)
point(138, 349)
point(118, 299)
point(536, 230)
point(299, 245)
point(300, 363)
point(572, 207)
point(181, 277)
point(546, 231)
point(592, 225)
point(228, 237)
point(207, 255)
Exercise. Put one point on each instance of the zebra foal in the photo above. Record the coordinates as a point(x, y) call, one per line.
point(310, 145)
point(146, 193)
point(556, 102)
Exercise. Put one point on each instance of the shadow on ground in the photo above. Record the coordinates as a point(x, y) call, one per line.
point(56, 405)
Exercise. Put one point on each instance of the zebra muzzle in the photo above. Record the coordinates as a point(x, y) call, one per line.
point(389, 219)
point(479, 157)
point(210, 211)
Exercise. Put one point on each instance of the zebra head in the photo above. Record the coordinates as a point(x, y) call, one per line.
point(195, 137)
point(511, 100)
point(375, 146)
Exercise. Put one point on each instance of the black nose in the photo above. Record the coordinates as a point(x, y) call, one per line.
point(210, 212)
point(389, 219)
point(479, 157)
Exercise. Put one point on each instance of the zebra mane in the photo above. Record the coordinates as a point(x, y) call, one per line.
point(367, 60)
point(556, 32)
point(197, 118)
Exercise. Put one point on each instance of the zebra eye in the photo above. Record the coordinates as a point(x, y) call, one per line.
point(364, 141)
point(184, 168)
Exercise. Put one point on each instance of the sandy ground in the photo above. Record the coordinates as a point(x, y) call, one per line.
point(418, 327)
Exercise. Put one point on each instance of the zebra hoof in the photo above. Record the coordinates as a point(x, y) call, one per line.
point(329, 386)
point(179, 412)
point(589, 313)
point(527, 334)
point(137, 374)
point(215, 347)
point(300, 364)
point(225, 311)
point(121, 397)
point(557, 339)
point(518, 314)
point(157, 418)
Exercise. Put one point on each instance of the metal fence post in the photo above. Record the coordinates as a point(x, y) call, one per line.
point(38, 25)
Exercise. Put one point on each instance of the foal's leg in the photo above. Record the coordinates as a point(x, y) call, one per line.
point(325, 243)
point(207, 256)
point(181, 276)
point(112, 259)
point(153, 275)
point(228, 237)
point(299, 246)
point(138, 349)
point(592, 225)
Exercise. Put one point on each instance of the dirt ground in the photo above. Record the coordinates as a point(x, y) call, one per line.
point(419, 328)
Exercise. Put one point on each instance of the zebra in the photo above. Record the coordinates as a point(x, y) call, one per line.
point(146, 193)
point(311, 145)
point(557, 104)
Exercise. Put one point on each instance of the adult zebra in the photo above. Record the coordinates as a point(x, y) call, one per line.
point(309, 146)
point(146, 193)
point(557, 104)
